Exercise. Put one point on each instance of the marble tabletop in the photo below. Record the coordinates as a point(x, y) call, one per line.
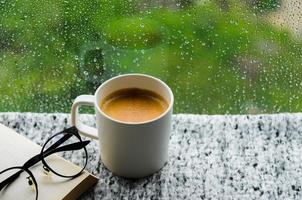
point(210, 157)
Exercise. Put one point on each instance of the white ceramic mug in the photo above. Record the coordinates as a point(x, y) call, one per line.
point(129, 149)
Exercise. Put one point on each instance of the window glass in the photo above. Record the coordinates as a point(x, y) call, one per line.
point(218, 56)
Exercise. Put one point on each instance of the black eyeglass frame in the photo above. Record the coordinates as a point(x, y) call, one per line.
point(54, 148)
point(65, 149)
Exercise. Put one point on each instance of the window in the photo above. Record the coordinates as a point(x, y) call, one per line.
point(218, 56)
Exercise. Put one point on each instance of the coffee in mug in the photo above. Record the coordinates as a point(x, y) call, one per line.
point(133, 105)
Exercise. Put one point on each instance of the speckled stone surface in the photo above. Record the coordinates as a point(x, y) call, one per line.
point(210, 157)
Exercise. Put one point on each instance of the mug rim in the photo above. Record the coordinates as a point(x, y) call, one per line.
point(171, 102)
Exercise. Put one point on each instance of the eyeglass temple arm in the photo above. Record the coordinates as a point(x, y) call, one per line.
point(72, 130)
point(32, 161)
point(74, 146)
point(69, 147)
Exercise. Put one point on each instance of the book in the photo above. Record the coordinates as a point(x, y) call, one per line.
point(15, 150)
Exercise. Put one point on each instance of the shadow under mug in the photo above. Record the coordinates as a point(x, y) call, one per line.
point(130, 150)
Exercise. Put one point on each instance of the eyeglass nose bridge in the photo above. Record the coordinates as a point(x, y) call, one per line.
point(32, 161)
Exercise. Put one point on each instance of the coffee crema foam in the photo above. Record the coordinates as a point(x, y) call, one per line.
point(133, 105)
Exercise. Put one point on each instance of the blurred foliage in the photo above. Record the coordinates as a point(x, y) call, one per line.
point(264, 5)
point(216, 61)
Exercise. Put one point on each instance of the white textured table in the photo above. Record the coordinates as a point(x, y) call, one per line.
point(210, 157)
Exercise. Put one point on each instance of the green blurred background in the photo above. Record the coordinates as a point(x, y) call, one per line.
point(219, 56)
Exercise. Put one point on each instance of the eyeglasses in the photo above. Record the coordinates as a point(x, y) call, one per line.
point(64, 143)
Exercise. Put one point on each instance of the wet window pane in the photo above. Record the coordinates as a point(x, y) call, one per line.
point(218, 56)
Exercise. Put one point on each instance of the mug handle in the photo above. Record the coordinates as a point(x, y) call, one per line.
point(85, 100)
